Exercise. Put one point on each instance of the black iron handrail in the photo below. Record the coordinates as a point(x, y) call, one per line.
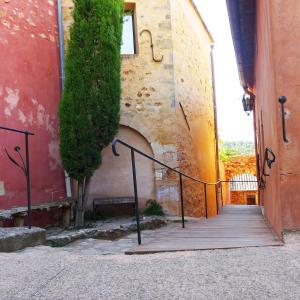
point(181, 175)
point(24, 166)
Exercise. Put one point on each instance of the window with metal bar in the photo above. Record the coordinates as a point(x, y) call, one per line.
point(243, 182)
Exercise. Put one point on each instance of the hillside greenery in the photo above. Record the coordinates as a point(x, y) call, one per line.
point(234, 148)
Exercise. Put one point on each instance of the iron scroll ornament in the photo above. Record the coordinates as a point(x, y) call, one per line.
point(268, 160)
point(24, 165)
point(152, 46)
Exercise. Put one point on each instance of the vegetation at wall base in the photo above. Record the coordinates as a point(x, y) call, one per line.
point(153, 208)
point(90, 108)
point(98, 216)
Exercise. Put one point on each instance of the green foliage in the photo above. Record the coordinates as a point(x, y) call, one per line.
point(99, 216)
point(90, 109)
point(153, 208)
point(228, 149)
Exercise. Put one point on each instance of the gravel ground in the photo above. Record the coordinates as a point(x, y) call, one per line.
point(82, 271)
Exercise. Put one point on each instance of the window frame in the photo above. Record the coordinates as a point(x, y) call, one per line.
point(131, 7)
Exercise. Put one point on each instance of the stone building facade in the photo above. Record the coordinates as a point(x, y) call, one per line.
point(167, 108)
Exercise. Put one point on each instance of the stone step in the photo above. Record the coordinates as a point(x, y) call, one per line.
point(17, 238)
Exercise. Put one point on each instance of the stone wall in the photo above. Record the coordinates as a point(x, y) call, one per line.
point(194, 99)
point(151, 92)
point(237, 165)
point(241, 197)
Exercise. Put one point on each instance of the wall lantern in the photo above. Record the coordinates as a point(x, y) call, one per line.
point(248, 103)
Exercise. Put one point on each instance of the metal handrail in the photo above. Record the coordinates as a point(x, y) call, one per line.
point(181, 175)
point(24, 166)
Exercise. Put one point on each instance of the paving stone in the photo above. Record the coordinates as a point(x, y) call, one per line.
point(16, 238)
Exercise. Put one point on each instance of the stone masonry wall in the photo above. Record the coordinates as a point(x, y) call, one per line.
point(151, 92)
point(234, 166)
point(194, 99)
point(240, 197)
point(148, 94)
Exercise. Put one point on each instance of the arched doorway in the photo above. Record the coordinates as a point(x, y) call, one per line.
point(114, 177)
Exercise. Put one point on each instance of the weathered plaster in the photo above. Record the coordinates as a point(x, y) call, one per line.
point(29, 94)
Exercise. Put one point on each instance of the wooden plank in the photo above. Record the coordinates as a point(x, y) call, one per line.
point(236, 226)
point(112, 201)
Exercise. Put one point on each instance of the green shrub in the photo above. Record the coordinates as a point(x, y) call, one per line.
point(153, 208)
point(99, 216)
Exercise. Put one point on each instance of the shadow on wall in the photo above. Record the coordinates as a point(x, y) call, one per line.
point(114, 177)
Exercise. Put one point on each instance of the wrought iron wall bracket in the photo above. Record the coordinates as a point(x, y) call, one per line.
point(152, 46)
point(269, 161)
point(21, 166)
point(282, 100)
point(24, 165)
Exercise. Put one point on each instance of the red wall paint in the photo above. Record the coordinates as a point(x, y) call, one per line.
point(29, 95)
point(287, 60)
point(278, 73)
point(266, 112)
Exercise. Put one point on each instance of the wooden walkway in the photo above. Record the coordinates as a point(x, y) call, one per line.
point(236, 226)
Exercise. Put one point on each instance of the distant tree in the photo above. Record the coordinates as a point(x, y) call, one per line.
point(228, 149)
point(90, 108)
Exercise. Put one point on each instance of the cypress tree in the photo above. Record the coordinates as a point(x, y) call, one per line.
point(90, 108)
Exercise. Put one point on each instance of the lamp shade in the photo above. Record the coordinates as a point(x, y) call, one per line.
point(248, 103)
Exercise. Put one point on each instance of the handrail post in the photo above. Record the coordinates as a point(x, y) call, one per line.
point(205, 201)
point(181, 199)
point(136, 200)
point(24, 167)
point(217, 202)
point(221, 184)
point(28, 181)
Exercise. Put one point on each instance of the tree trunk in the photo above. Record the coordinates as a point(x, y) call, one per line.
point(83, 189)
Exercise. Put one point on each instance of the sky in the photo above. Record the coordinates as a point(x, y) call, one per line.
point(233, 122)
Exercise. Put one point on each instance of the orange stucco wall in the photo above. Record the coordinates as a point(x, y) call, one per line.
point(278, 73)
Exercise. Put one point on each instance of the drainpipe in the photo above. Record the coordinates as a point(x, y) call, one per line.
point(62, 75)
point(215, 110)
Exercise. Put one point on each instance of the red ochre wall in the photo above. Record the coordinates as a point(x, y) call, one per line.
point(278, 73)
point(29, 94)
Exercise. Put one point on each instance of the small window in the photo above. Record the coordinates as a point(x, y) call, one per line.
point(251, 200)
point(128, 37)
